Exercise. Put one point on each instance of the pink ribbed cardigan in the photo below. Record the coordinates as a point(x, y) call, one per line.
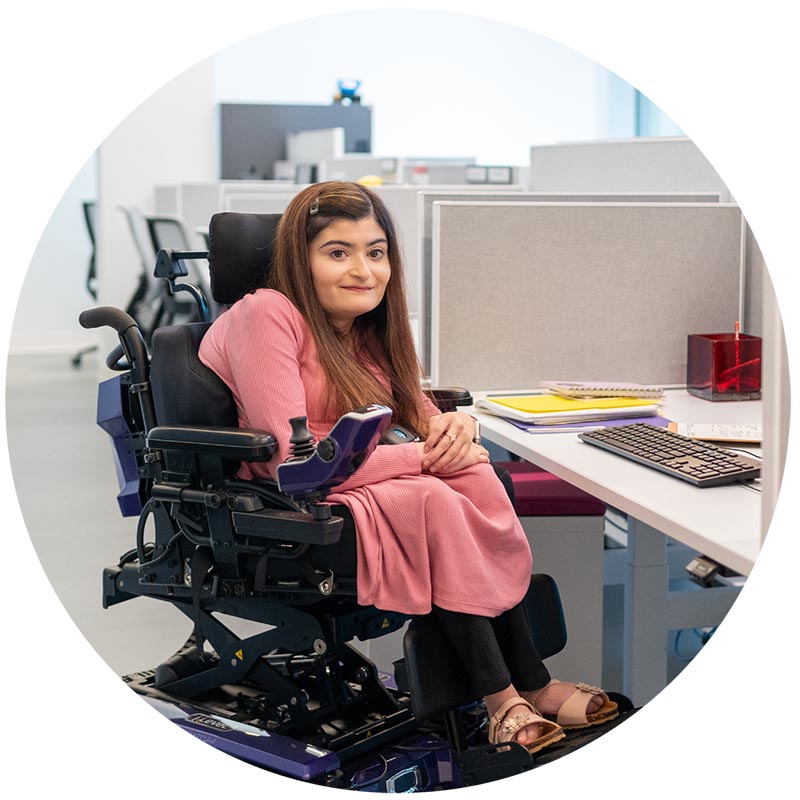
point(449, 540)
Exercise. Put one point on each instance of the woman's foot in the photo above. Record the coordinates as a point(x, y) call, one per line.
point(513, 719)
point(572, 705)
point(549, 699)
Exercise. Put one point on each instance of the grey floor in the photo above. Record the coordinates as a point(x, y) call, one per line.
point(66, 485)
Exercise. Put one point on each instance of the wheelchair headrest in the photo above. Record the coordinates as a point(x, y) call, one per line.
point(240, 251)
point(186, 391)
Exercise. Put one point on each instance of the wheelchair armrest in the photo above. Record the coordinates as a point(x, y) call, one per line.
point(231, 443)
point(448, 398)
point(288, 526)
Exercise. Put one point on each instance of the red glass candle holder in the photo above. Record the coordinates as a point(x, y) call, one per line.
point(724, 366)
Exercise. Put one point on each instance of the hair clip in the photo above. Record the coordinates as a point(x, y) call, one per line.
point(314, 207)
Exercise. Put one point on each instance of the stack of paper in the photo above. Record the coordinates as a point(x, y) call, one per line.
point(583, 389)
point(553, 409)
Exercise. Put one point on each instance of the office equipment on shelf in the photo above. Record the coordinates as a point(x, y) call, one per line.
point(724, 366)
point(309, 147)
point(708, 432)
point(549, 409)
point(252, 136)
point(485, 174)
point(699, 463)
point(603, 389)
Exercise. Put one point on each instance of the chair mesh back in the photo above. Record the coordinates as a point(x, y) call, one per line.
point(240, 251)
point(167, 234)
point(185, 391)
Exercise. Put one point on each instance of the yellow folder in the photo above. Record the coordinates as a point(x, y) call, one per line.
point(553, 408)
point(549, 404)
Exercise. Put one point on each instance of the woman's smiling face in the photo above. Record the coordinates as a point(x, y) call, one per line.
point(350, 269)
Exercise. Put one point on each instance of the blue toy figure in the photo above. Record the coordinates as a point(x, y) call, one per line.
point(347, 91)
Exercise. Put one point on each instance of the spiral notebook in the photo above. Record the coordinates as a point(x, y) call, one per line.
point(587, 389)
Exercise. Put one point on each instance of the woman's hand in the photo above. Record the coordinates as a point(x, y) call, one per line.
point(449, 446)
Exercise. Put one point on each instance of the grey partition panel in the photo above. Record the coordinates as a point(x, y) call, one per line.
point(402, 202)
point(253, 203)
point(624, 165)
point(606, 291)
point(198, 202)
point(166, 200)
point(512, 194)
point(754, 286)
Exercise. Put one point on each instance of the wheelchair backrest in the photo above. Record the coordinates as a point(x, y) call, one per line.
point(186, 391)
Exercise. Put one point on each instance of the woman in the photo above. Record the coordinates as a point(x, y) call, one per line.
point(436, 530)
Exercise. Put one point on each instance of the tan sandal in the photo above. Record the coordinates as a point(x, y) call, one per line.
point(572, 713)
point(503, 728)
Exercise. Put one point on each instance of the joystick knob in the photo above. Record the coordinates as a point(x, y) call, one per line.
point(301, 440)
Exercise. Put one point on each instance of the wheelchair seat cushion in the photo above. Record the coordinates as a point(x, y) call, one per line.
point(186, 391)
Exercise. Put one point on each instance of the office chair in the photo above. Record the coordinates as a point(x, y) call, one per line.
point(89, 211)
point(170, 232)
point(265, 552)
point(150, 293)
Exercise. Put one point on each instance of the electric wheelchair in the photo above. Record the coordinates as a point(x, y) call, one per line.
point(297, 697)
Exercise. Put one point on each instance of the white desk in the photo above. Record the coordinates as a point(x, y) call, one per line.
point(723, 522)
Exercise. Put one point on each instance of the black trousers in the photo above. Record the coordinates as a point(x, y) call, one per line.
point(495, 651)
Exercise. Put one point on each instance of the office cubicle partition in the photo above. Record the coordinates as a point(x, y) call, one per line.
point(525, 292)
point(252, 203)
point(194, 203)
point(425, 228)
point(668, 164)
point(754, 280)
point(402, 202)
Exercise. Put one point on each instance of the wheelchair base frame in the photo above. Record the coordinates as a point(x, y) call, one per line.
point(409, 760)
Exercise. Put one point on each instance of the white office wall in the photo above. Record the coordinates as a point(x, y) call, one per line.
point(54, 290)
point(170, 138)
point(439, 84)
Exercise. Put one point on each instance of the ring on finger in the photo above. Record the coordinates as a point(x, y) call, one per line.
point(451, 438)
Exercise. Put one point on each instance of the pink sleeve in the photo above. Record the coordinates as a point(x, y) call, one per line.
point(260, 361)
point(430, 407)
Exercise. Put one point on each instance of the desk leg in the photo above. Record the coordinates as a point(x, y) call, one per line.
point(646, 613)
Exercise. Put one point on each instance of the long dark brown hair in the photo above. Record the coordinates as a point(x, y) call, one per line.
point(383, 335)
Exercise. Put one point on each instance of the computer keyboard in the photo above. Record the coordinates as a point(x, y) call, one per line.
point(699, 463)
